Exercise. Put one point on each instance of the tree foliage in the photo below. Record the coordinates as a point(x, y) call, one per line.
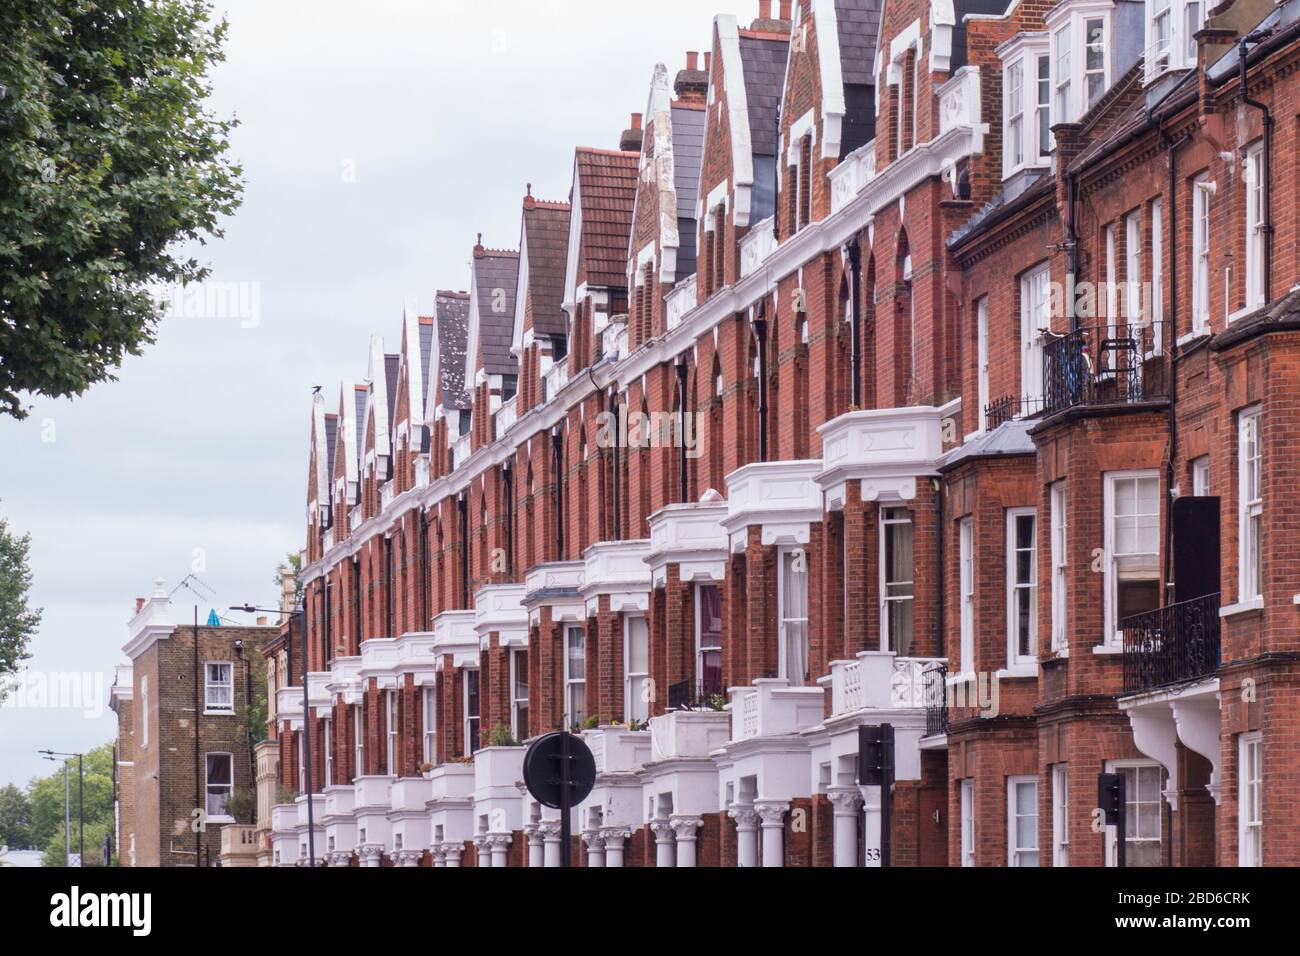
point(15, 818)
point(109, 162)
point(46, 795)
point(18, 620)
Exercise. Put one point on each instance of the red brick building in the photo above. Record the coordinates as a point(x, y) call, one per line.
point(907, 363)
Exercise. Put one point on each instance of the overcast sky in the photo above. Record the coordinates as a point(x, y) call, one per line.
point(377, 139)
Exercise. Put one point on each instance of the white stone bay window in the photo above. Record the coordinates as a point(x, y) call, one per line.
point(1026, 102)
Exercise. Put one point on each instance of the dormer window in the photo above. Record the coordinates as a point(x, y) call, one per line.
point(1171, 27)
point(1027, 109)
point(1082, 56)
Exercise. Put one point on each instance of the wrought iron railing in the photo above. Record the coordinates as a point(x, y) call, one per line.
point(1007, 407)
point(706, 694)
point(1172, 644)
point(935, 684)
point(1105, 365)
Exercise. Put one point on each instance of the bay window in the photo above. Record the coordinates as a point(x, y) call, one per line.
point(792, 601)
point(1132, 547)
point(897, 585)
point(575, 676)
point(1082, 48)
point(1094, 58)
point(1060, 563)
point(636, 668)
point(1250, 505)
point(1062, 41)
point(708, 639)
point(1162, 31)
point(1171, 27)
point(1015, 107)
point(1022, 587)
point(1022, 821)
point(1027, 103)
point(1250, 810)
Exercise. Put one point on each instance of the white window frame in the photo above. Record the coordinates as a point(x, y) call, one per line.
point(1253, 176)
point(1060, 520)
point(144, 711)
point(1250, 799)
point(518, 700)
point(636, 705)
point(302, 761)
point(1014, 851)
point(208, 785)
point(1113, 636)
point(1130, 804)
point(1014, 110)
point(390, 728)
point(358, 741)
point(1016, 659)
point(1035, 318)
point(968, 822)
point(887, 639)
point(1157, 276)
point(211, 686)
point(1160, 48)
point(1193, 22)
point(966, 558)
point(1250, 504)
point(1133, 269)
point(1112, 292)
point(700, 650)
point(1103, 46)
point(327, 746)
point(1060, 814)
point(982, 357)
point(1043, 143)
point(1062, 73)
point(1201, 193)
point(429, 701)
point(1201, 476)
point(573, 684)
point(471, 722)
point(798, 676)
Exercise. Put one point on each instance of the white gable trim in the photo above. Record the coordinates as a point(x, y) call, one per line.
point(571, 296)
point(832, 75)
point(742, 146)
point(521, 294)
point(414, 368)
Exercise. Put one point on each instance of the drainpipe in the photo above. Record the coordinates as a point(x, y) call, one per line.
point(855, 292)
point(760, 331)
point(938, 564)
point(1072, 252)
point(681, 429)
point(1267, 117)
point(557, 448)
point(1171, 323)
point(618, 464)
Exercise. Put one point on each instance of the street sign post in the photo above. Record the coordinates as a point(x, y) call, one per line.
point(559, 771)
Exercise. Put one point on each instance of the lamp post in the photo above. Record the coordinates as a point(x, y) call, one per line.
point(81, 815)
point(306, 724)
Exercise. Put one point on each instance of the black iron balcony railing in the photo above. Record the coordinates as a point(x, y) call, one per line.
point(1172, 644)
point(1007, 407)
point(706, 694)
point(1105, 365)
point(935, 687)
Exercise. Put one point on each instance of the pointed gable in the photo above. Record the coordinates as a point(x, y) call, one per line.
point(352, 404)
point(600, 224)
point(451, 317)
point(543, 255)
point(494, 276)
point(322, 451)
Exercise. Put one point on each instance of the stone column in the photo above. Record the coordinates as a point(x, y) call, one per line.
point(550, 830)
point(439, 856)
point(663, 832)
point(595, 848)
point(454, 852)
point(746, 835)
point(846, 802)
point(371, 854)
point(771, 814)
point(409, 858)
point(498, 845)
point(871, 823)
point(685, 827)
point(535, 851)
point(481, 853)
point(614, 838)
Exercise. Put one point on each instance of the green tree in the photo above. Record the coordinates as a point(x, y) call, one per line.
point(109, 162)
point(292, 562)
point(46, 794)
point(15, 818)
point(18, 621)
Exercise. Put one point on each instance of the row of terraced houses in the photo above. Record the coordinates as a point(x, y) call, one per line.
point(929, 363)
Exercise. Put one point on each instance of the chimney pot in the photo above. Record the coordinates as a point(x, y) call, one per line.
point(636, 120)
point(261, 621)
point(765, 9)
point(786, 12)
point(692, 60)
point(139, 604)
point(708, 61)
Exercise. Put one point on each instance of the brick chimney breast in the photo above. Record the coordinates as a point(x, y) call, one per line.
point(692, 84)
point(631, 140)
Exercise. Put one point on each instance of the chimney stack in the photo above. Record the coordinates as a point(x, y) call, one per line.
point(631, 140)
point(261, 621)
point(139, 605)
point(765, 9)
point(692, 60)
point(692, 85)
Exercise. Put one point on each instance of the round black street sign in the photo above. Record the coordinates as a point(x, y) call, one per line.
point(542, 768)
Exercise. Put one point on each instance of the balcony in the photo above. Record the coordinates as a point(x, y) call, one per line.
point(781, 497)
point(1105, 365)
point(772, 708)
point(1175, 644)
point(618, 749)
point(936, 699)
point(618, 570)
point(460, 451)
point(613, 338)
point(758, 244)
point(887, 450)
point(850, 176)
point(238, 845)
point(878, 680)
point(507, 415)
point(688, 733)
point(959, 100)
point(387, 491)
point(690, 536)
point(680, 301)
point(555, 379)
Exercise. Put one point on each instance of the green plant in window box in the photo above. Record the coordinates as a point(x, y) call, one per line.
point(592, 722)
point(500, 736)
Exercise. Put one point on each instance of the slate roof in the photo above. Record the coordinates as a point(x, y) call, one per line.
point(859, 26)
point(764, 62)
point(607, 190)
point(546, 229)
point(426, 353)
point(1030, 184)
point(452, 310)
point(1009, 438)
point(392, 369)
point(688, 151)
point(962, 9)
point(1129, 118)
point(331, 441)
point(362, 393)
point(495, 270)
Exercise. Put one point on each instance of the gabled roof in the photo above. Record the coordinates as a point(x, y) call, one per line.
point(322, 440)
point(764, 60)
point(352, 409)
point(379, 398)
point(426, 357)
point(453, 332)
point(859, 27)
point(543, 253)
point(494, 280)
point(602, 202)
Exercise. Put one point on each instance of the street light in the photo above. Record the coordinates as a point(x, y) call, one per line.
point(306, 724)
point(81, 817)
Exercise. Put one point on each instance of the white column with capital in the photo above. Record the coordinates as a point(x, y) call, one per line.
point(685, 827)
point(595, 848)
point(536, 856)
point(771, 816)
point(409, 858)
point(454, 852)
point(663, 831)
point(371, 855)
point(550, 831)
point(871, 824)
point(746, 835)
point(845, 802)
point(498, 845)
point(614, 838)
